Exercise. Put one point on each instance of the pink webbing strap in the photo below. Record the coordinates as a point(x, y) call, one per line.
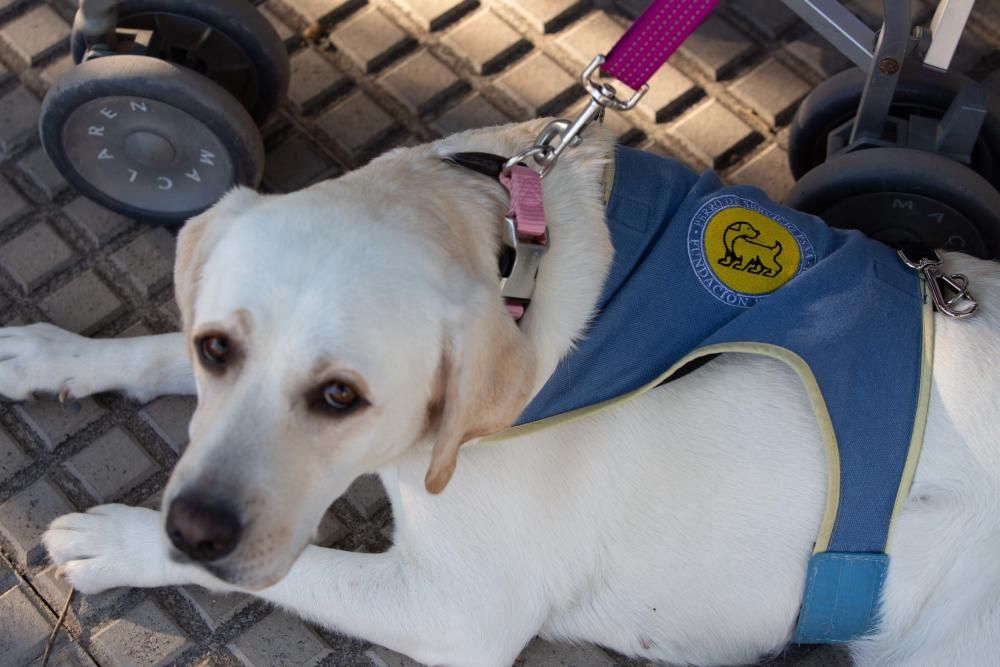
point(526, 208)
point(653, 38)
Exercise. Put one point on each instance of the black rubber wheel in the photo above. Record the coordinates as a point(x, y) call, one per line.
point(149, 139)
point(920, 92)
point(228, 41)
point(902, 196)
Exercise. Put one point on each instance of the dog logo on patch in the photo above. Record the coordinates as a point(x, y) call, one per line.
point(742, 252)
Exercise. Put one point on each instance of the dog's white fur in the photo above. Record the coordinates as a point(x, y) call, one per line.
point(676, 526)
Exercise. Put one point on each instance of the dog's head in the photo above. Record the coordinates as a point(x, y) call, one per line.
point(331, 330)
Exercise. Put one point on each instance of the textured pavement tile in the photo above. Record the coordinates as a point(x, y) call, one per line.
point(539, 85)
point(56, 70)
point(330, 530)
point(26, 515)
point(19, 111)
point(422, 82)
point(35, 34)
point(39, 169)
point(769, 17)
point(111, 465)
point(86, 608)
point(436, 14)
point(541, 653)
point(669, 92)
point(34, 254)
point(148, 260)
point(287, 35)
point(315, 81)
point(716, 47)
point(12, 204)
point(713, 132)
point(144, 637)
point(169, 416)
point(280, 639)
point(367, 495)
point(487, 41)
point(8, 579)
point(54, 421)
point(12, 457)
point(813, 50)
point(549, 15)
point(215, 608)
point(772, 91)
point(323, 11)
point(356, 123)
point(98, 223)
point(595, 34)
point(475, 111)
point(371, 39)
point(383, 657)
point(82, 304)
point(295, 164)
point(768, 171)
point(24, 629)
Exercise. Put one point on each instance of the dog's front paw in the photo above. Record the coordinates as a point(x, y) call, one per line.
point(109, 546)
point(42, 358)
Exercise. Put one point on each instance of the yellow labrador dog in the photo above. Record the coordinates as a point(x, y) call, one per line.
point(356, 327)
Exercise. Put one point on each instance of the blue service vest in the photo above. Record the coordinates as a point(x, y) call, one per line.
point(700, 269)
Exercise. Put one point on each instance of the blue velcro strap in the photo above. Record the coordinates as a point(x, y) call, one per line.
point(841, 598)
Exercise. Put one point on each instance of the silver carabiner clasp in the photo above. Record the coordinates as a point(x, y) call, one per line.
point(957, 306)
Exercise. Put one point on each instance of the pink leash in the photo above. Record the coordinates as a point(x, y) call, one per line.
point(642, 50)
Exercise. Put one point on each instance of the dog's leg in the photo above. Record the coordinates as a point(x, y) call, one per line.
point(42, 358)
point(433, 616)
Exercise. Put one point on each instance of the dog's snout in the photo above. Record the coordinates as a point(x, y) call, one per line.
point(202, 530)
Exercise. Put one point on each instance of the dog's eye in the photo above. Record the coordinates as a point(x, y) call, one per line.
point(340, 396)
point(214, 351)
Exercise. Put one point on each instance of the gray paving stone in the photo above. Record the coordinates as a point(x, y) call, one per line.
point(813, 50)
point(148, 260)
point(713, 133)
point(286, 33)
point(315, 81)
point(294, 164)
point(539, 85)
point(330, 530)
point(544, 654)
point(356, 123)
point(371, 39)
point(86, 608)
point(768, 171)
point(8, 579)
point(215, 608)
point(597, 33)
point(111, 465)
point(367, 495)
point(771, 18)
point(280, 639)
point(772, 91)
point(26, 515)
point(55, 70)
point(475, 111)
point(436, 14)
point(716, 47)
point(422, 82)
point(54, 421)
point(19, 111)
point(35, 34)
point(98, 223)
point(34, 254)
point(8, 7)
point(144, 637)
point(549, 15)
point(325, 11)
point(24, 629)
point(12, 204)
point(37, 166)
point(169, 416)
point(488, 42)
point(383, 657)
point(669, 93)
point(12, 457)
point(82, 304)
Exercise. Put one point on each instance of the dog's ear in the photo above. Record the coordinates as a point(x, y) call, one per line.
point(486, 375)
point(195, 242)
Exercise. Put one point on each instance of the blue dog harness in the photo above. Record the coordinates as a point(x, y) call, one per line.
point(701, 269)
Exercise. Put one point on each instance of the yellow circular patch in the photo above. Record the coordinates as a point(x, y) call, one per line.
point(749, 252)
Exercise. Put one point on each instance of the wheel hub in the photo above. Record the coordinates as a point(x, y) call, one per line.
point(147, 154)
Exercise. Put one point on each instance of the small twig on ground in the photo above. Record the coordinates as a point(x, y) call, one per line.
point(55, 630)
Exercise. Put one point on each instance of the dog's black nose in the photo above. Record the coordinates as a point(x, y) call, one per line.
point(202, 530)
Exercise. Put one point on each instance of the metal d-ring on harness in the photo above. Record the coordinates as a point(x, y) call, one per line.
point(960, 303)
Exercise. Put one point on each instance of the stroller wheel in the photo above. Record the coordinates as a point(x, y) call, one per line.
point(919, 92)
point(902, 196)
point(227, 41)
point(149, 139)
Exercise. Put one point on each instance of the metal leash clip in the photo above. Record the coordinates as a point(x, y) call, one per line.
point(958, 306)
point(561, 134)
